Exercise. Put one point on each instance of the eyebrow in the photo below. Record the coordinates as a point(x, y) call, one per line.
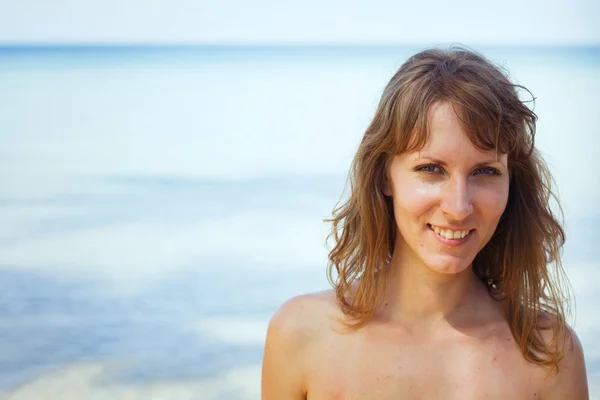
point(444, 164)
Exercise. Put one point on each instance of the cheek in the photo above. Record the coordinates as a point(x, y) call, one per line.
point(412, 199)
point(493, 202)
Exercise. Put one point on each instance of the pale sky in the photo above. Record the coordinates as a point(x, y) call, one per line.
point(472, 22)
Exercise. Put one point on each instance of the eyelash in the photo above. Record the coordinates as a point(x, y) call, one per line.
point(491, 171)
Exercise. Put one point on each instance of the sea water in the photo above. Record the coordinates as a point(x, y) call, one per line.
point(157, 204)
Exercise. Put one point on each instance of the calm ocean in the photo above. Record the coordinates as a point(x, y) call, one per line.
point(158, 204)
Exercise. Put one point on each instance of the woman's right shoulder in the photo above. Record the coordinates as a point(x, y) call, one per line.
point(306, 316)
point(291, 338)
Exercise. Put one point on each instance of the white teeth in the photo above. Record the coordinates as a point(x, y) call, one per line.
point(448, 234)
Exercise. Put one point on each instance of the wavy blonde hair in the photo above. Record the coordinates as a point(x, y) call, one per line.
point(521, 262)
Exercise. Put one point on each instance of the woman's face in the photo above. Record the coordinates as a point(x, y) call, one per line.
point(448, 197)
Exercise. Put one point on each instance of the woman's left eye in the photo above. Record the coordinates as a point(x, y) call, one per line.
point(487, 171)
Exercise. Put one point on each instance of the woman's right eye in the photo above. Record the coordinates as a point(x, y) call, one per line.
point(429, 168)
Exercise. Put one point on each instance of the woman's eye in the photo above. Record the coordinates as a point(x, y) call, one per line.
point(436, 169)
point(487, 171)
point(429, 168)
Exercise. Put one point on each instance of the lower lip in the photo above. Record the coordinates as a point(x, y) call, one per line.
point(450, 242)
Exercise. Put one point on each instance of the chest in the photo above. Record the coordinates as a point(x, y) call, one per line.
point(363, 370)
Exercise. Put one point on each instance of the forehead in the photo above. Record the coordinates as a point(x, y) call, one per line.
point(447, 137)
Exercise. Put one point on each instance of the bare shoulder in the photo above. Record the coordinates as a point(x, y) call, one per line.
point(293, 330)
point(570, 381)
point(298, 319)
point(305, 314)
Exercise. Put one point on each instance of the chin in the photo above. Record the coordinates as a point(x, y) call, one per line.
point(448, 264)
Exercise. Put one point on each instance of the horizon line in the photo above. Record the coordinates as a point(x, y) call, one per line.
point(274, 45)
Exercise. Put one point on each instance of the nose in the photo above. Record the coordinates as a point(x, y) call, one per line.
point(456, 199)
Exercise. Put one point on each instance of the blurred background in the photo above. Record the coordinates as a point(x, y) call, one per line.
point(165, 167)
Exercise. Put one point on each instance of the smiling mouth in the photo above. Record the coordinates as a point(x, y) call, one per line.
point(450, 234)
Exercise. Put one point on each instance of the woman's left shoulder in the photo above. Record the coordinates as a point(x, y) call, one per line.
point(570, 380)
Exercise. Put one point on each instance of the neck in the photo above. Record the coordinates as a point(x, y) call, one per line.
point(417, 295)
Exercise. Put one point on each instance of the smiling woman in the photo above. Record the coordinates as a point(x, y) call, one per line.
point(442, 256)
point(446, 211)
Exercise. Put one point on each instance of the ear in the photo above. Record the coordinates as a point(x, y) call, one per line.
point(386, 189)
